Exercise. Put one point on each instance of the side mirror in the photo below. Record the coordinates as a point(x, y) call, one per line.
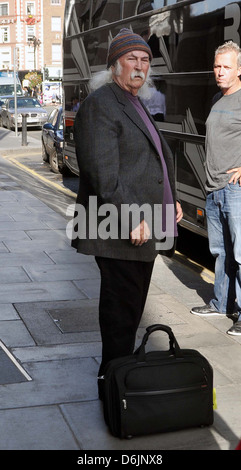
point(48, 126)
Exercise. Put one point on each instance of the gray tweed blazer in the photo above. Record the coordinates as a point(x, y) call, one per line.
point(120, 165)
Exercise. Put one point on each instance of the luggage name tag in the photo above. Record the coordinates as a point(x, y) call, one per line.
point(214, 399)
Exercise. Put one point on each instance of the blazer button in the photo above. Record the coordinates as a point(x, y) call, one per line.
point(160, 181)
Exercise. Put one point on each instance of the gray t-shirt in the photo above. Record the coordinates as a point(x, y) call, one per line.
point(223, 140)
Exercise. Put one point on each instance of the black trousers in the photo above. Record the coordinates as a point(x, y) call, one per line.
point(123, 293)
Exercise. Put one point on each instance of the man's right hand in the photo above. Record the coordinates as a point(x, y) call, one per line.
point(140, 234)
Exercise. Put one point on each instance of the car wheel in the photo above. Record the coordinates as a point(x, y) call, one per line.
point(8, 124)
point(44, 153)
point(53, 161)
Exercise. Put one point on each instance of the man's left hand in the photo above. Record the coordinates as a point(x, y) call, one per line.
point(236, 175)
point(179, 213)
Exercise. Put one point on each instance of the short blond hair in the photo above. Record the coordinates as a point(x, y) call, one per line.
point(229, 46)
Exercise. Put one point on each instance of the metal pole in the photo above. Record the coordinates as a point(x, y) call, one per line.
point(15, 90)
point(24, 130)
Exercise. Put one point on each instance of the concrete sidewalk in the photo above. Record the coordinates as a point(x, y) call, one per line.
point(50, 343)
point(11, 144)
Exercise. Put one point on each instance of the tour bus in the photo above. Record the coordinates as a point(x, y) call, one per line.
point(183, 35)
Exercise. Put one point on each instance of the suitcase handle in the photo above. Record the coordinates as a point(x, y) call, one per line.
point(173, 344)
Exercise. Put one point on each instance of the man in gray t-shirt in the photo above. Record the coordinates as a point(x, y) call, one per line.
point(223, 171)
point(223, 140)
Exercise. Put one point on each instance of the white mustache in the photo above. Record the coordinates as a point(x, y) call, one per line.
point(137, 74)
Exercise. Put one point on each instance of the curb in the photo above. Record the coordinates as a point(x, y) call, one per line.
point(20, 151)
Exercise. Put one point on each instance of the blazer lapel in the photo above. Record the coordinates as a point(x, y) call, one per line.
point(131, 112)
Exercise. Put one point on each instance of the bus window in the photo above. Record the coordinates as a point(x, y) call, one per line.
point(82, 12)
point(185, 173)
point(74, 95)
point(96, 44)
point(134, 7)
point(105, 12)
point(162, 3)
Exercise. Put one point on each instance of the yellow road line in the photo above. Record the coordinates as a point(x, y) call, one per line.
point(42, 178)
point(204, 273)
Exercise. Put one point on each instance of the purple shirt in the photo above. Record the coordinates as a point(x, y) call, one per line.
point(167, 192)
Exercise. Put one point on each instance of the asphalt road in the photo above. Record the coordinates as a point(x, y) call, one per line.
point(36, 163)
point(29, 170)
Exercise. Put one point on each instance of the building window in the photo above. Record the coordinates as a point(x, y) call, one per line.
point(29, 54)
point(5, 59)
point(55, 2)
point(4, 34)
point(30, 8)
point(30, 32)
point(56, 23)
point(3, 9)
point(56, 53)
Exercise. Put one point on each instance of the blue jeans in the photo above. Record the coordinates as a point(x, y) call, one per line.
point(223, 209)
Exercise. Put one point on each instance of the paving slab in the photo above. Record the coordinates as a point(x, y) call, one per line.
point(15, 333)
point(42, 327)
point(8, 312)
point(53, 382)
point(22, 246)
point(76, 272)
point(57, 352)
point(35, 428)
point(34, 291)
point(20, 259)
point(13, 274)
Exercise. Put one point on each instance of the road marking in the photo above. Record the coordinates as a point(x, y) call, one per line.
point(204, 273)
point(42, 178)
point(14, 360)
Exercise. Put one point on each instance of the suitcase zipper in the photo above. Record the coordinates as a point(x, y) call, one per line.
point(161, 392)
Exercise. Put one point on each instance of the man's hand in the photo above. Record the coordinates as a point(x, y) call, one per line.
point(236, 175)
point(179, 213)
point(140, 234)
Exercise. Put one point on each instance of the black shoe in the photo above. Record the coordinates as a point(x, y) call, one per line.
point(235, 330)
point(233, 316)
point(206, 311)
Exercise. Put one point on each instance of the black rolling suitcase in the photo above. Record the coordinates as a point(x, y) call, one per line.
point(158, 391)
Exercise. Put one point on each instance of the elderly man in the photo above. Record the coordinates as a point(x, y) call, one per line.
point(223, 168)
point(123, 160)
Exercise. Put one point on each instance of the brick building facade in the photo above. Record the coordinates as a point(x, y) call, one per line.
point(35, 30)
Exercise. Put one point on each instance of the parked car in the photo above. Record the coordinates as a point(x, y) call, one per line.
point(36, 115)
point(53, 140)
point(2, 101)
